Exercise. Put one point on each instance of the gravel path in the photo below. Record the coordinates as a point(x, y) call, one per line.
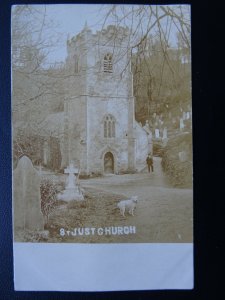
point(163, 214)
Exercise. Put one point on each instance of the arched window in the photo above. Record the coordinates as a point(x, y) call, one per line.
point(108, 67)
point(109, 126)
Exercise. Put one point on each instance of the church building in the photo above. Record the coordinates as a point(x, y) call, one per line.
point(100, 134)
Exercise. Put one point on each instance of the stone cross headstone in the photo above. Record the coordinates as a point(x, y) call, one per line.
point(26, 197)
point(72, 191)
point(157, 133)
point(71, 170)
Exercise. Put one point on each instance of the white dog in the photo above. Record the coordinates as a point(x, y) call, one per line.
point(129, 204)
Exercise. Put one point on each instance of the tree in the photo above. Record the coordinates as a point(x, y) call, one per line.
point(32, 40)
point(160, 87)
point(34, 86)
point(161, 69)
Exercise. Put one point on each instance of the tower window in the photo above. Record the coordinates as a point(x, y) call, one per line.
point(109, 127)
point(108, 67)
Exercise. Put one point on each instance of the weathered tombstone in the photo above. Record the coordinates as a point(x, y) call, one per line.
point(26, 197)
point(71, 170)
point(181, 124)
point(182, 156)
point(157, 136)
point(164, 133)
point(45, 153)
point(72, 191)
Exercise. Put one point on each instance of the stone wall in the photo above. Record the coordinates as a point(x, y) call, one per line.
point(98, 108)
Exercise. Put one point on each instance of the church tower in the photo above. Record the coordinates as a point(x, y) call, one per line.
point(99, 103)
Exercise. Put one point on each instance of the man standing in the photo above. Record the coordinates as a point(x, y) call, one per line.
point(149, 161)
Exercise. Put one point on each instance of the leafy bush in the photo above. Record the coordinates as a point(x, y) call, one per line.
point(179, 172)
point(49, 192)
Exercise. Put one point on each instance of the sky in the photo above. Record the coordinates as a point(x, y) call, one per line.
point(69, 20)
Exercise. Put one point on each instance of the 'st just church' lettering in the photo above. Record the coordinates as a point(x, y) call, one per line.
point(86, 231)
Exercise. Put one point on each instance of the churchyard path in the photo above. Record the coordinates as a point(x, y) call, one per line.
point(163, 212)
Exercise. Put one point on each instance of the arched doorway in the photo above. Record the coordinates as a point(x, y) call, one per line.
point(108, 163)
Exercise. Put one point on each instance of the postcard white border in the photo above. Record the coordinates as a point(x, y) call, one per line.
point(102, 267)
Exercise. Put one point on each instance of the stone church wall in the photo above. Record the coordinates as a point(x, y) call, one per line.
point(98, 108)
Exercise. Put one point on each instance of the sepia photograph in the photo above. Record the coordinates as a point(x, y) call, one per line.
point(102, 123)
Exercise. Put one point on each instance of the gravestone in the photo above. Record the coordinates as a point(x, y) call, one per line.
point(71, 170)
point(27, 197)
point(157, 136)
point(181, 124)
point(45, 153)
point(72, 191)
point(182, 156)
point(164, 133)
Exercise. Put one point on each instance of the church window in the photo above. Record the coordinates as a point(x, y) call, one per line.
point(113, 129)
point(109, 127)
point(108, 67)
point(105, 128)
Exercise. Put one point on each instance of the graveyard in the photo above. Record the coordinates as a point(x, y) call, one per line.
point(163, 213)
point(118, 94)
